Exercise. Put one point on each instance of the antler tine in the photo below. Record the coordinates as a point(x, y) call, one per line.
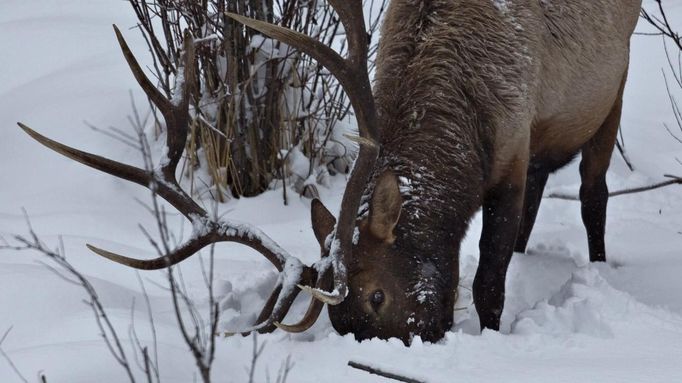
point(353, 20)
point(322, 53)
point(315, 307)
point(269, 317)
point(175, 111)
point(205, 234)
point(170, 193)
point(268, 308)
point(293, 276)
point(351, 72)
point(147, 86)
point(177, 129)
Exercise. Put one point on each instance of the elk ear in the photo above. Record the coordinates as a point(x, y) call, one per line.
point(323, 221)
point(384, 209)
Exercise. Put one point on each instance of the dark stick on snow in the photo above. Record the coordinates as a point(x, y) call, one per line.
point(674, 181)
point(388, 375)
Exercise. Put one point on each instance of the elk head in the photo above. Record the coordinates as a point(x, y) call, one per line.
point(393, 292)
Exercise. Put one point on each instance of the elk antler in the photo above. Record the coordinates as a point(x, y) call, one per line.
point(352, 74)
point(164, 184)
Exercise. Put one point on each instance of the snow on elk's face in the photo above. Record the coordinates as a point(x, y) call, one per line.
point(397, 289)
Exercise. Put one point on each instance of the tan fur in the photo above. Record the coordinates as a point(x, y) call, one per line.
point(548, 101)
point(385, 207)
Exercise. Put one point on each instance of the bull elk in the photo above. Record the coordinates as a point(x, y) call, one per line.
point(475, 103)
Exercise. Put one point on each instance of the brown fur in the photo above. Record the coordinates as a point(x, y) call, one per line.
point(478, 101)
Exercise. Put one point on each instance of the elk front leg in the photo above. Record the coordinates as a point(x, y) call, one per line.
point(594, 193)
point(535, 185)
point(502, 210)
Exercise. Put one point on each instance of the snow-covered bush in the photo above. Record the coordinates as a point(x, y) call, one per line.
point(260, 105)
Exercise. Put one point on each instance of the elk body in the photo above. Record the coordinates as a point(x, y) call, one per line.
point(478, 102)
point(475, 103)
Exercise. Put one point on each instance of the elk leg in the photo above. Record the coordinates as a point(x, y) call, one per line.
point(502, 211)
point(535, 185)
point(594, 192)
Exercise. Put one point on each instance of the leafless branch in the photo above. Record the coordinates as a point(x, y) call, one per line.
point(661, 22)
point(255, 355)
point(620, 145)
point(152, 363)
point(673, 181)
point(284, 370)
point(254, 92)
point(8, 359)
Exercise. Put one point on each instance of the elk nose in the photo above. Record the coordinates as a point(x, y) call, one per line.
point(377, 299)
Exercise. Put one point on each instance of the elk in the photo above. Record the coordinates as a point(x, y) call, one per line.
point(475, 103)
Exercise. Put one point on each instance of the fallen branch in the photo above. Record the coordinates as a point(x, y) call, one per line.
point(673, 181)
point(388, 375)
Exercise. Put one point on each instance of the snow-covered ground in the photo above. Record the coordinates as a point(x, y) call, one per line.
point(565, 320)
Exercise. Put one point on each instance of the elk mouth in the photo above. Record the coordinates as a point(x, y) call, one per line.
point(428, 329)
point(428, 319)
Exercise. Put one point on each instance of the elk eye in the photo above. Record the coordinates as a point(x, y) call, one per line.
point(376, 299)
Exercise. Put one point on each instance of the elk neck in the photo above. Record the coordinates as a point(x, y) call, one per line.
point(441, 92)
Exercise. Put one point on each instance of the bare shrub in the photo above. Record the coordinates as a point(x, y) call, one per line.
point(262, 112)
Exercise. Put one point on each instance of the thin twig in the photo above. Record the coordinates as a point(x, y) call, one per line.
point(256, 353)
point(571, 197)
point(8, 359)
point(150, 316)
point(620, 144)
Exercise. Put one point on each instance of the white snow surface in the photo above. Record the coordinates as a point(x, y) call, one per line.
point(565, 320)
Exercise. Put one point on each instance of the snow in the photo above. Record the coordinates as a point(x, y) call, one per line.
point(565, 320)
point(178, 93)
point(502, 5)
